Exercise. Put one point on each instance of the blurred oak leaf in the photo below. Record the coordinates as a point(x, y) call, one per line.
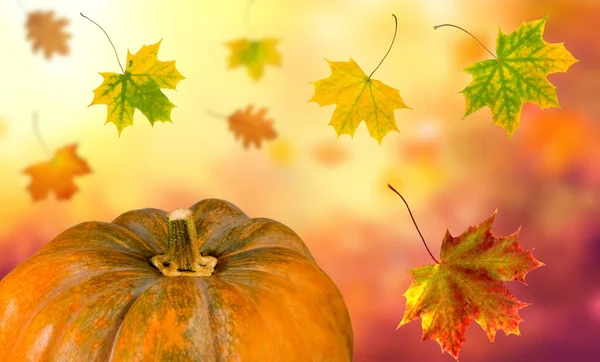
point(467, 285)
point(357, 98)
point(57, 174)
point(517, 75)
point(254, 55)
point(251, 127)
point(139, 87)
point(47, 33)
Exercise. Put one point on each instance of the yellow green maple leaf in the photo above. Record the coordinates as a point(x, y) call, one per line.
point(467, 284)
point(357, 98)
point(139, 87)
point(254, 55)
point(517, 75)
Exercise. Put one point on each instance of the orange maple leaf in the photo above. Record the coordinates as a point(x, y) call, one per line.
point(47, 33)
point(467, 285)
point(252, 128)
point(57, 174)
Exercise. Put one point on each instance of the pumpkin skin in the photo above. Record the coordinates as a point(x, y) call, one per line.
point(91, 294)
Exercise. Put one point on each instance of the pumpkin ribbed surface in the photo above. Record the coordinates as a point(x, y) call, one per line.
point(91, 294)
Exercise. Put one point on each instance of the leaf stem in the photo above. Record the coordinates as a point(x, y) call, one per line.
point(390, 48)
point(458, 27)
point(215, 114)
point(111, 43)
point(247, 17)
point(414, 222)
point(36, 131)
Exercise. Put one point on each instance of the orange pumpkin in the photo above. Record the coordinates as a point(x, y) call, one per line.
point(200, 284)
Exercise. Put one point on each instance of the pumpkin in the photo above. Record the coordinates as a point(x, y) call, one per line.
point(200, 284)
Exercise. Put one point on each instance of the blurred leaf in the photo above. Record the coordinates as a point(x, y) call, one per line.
point(330, 153)
point(57, 174)
point(251, 128)
point(47, 33)
point(139, 87)
point(254, 55)
point(357, 98)
point(517, 75)
point(467, 285)
point(424, 179)
point(281, 152)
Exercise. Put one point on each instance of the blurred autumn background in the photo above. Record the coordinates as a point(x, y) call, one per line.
point(454, 173)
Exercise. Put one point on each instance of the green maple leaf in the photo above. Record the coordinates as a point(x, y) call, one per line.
point(517, 75)
point(138, 87)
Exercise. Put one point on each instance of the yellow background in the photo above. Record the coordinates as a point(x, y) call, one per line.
point(454, 173)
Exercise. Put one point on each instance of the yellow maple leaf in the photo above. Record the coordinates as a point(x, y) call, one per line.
point(359, 98)
point(254, 55)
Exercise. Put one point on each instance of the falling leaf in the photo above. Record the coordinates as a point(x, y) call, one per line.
point(358, 98)
point(254, 55)
point(47, 33)
point(467, 285)
point(57, 174)
point(517, 76)
point(251, 128)
point(139, 87)
point(330, 153)
point(281, 152)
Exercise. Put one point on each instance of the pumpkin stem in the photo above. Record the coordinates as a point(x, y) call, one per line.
point(183, 257)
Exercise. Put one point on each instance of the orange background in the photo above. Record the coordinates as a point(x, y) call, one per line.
point(453, 172)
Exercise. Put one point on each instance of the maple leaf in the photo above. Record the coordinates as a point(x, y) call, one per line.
point(251, 128)
point(517, 75)
point(57, 174)
point(47, 33)
point(139, 87)
point(254, 54)
point(357, 98)
point(467, 285)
